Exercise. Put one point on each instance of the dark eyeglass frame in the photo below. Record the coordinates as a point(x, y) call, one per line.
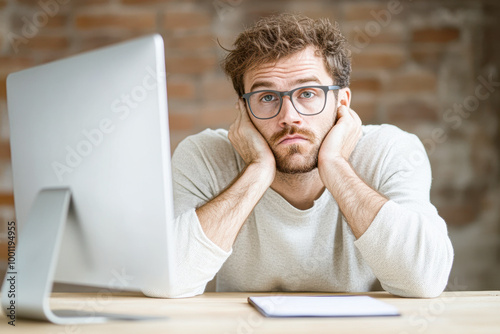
point(289, 93)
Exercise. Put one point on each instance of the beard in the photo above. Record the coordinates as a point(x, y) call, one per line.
point(285, 161)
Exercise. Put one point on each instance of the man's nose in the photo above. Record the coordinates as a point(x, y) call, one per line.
point(288, 115)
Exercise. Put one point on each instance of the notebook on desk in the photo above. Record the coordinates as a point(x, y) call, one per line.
point(322, 306)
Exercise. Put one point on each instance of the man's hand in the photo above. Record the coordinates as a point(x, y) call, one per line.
point(358, 202)
point(222, 217)
point(249, 143)
point(342, 138)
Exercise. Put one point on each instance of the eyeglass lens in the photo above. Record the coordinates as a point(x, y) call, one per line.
point(307, 101)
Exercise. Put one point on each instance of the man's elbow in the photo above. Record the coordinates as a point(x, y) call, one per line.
point(429, 284)
point(422, 289)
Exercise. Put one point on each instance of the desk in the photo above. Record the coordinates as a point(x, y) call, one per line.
point(452, 312)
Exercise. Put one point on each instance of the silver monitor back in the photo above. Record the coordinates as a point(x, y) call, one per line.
point(97, 124)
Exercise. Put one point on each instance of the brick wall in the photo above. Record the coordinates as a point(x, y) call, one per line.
point(421, 65)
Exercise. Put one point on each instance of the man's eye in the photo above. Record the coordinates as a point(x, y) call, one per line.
point(268, 98)
point(307, 94)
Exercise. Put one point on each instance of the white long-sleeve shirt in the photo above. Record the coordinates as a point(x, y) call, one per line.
point(281, 248)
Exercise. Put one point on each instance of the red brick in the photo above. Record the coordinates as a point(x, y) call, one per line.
point(378, 59)
point(4, 124)
point(192, 42)
point(144, 2)
point(190, 64)
point(7, 199)
point(57, 21)
point(13, 64)
point(45, 42)
point(180, 89)
point(3, 254)
point(3, 88)
point(176, 136)
point(46, 56)
point(19, 24)
point(435, 35)
point(483, 159)
point(369, 84)
point(218, 115)
point(181, 121)
point(411, 110)
point(184, 107)
point(414, 82)
point(461, 206)
point(219, 89)
point(359, 39)
point(226, 39)
point(361, 11)
point(98, 40)
point(320, 13)
point(430, 56)
point(173, 20)
point(366, 110)
point(90, 3)
point(253, 14)
point(27, 2)
point(4, 150)
point(459, 214)
point(136, 21)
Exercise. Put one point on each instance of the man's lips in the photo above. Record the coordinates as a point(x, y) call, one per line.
point(291, 135)
point(291, 139)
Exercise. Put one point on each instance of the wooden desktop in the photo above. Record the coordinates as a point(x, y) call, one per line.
point(452, 312)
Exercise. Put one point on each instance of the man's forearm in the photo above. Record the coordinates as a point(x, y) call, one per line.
point(358, 202)
point(222, 217)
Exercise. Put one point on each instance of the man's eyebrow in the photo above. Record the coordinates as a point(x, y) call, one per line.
point(307, 80)
point(261, 84)
point(269, 84)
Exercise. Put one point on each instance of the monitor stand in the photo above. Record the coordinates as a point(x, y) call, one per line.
point(35, 263)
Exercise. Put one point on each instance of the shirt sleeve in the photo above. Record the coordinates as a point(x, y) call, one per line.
point(196, 165)
point(407, 244)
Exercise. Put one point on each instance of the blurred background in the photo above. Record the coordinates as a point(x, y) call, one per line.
point(429, 67)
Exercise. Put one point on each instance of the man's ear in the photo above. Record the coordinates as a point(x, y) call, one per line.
point(345, 97)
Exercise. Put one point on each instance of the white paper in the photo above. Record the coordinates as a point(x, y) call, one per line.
point(322, 306)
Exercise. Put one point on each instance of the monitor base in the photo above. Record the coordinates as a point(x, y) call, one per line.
point(28, 282)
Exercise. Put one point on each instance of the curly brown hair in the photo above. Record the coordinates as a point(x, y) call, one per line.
point(279, 36)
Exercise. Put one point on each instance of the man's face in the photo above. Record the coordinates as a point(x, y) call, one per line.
point(294, 139)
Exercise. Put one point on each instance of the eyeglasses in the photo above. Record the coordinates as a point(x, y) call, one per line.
point(307, 100)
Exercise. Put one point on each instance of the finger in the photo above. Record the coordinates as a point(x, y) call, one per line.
point(357, 120)
point(356, 116)
point(240, 104)
point(239, 114)
point(344, 109)
point(236, 123)
point(243, 108)
point(342, 113)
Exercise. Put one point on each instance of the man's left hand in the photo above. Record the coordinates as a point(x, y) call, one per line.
point(340, 142)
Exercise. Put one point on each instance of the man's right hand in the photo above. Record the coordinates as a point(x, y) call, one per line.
point(250, 143)
point(222, 217)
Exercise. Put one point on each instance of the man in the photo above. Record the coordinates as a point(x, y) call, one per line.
point(298, 195)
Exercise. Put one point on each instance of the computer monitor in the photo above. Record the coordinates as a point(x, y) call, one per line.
point(92, 175)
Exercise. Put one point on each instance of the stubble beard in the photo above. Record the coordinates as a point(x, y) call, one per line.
point(285, 164)
point(285, 161)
